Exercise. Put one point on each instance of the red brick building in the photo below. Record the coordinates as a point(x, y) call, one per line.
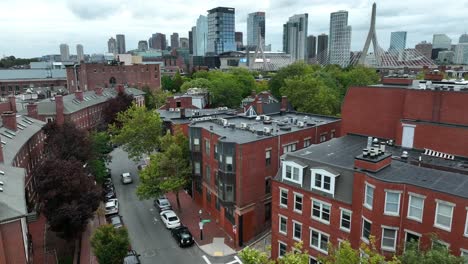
point(235, 158)
point(18, 81)
point(89, 76)
point(194, 98)
point(409, 183)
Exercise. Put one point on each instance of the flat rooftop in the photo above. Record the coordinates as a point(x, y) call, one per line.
point(452, 85)
point(241, 129)
point(190, 114)
point(438, 174)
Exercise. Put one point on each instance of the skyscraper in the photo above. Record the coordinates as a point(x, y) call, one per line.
point(112, 46)
point(184, 43)
point(441, 41)
point(64, 52)
point(79, 53)
point(397, 41)
point(424, 48)
point(311, 46)
point(201, 36)
point(221, 28)
point(322, 49)
point(174, 40)
point(463, 38)
point(255, 28)
point(120, 43)
point(295, 37)
point(461, 53)
point(142, 45)
point(159, 41)
point(239, 40)
point(340, 39)
point(190, 40)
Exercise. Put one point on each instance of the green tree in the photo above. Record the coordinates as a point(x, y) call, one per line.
point(167, 83)
point(139, 132)
point(261, 86)
point(297, 256)
point(196, 83)
point(110, 245)
point(100, 149)
point(252, 256)
point(356, 76)
point(168, 170)
point(150, 100)
point(438, 254)
point(178, 81)
point(296, 69)
point(160, 97)
point(245, 79)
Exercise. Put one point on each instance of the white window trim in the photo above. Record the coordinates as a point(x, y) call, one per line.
point(350, 219)
point(441, 242)
point(449, 229)
point(413, 233)
point(320, 240)
point(294, 230)
point(287, 192)
point(463, 252)
point(321, 209)
point(279, 224)
point(365, 196)
point(409, 206)
point(362, 229)
point(399, 202)
point(392, 249)
point(466, 224)
point(302, 204)
point(323, 172)
point(279, 248)
point(293, 165)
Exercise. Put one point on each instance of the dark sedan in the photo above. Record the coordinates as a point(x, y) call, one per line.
point(182, 236)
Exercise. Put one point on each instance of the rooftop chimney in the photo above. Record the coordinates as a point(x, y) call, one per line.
point(60, 118)
point(98, 91)
point(9, 120)
point(1, 153)
point(284, 103)
point(32, 110)
point(12, 100)
point(79, 95)
point(182, 112)
point(373, 159)
point(259, 107)
point(120, 88)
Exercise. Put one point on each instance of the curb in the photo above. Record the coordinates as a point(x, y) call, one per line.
point(227, 255)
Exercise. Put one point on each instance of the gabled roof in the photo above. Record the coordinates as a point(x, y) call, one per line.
point(12, 199)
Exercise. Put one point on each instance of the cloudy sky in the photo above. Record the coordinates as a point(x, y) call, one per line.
point(31, 28)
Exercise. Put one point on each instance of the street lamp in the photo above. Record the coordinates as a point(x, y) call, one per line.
point(200, 224)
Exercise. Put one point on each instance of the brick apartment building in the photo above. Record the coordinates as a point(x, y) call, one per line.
point(234, 159)
point(89, 76)
point(82, 108)
point(402, 186)
point(194, 98)
point(18, 81)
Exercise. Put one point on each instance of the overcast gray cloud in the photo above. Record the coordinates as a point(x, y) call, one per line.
point(44, 24)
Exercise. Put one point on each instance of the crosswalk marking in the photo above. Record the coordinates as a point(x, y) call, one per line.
point(206, 259)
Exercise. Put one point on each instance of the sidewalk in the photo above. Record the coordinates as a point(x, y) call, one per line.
point(215, 241)
point(87, 256)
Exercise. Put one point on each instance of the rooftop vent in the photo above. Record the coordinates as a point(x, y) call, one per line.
point(2, 172)
point(267, 131)
point(285, 128)
point(300, 124)
point(1, 189)
point(243, 125)
point(2, 183)
point(404, 155)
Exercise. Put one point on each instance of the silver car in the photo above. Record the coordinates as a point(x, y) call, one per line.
point(126, 178)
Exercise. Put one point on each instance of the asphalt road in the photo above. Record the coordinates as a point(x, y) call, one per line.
point(148, 235)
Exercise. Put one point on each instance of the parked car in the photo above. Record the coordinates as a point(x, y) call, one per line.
point(126, 178)
point(170, 219)
point(132, 258)
point(116, 221)
point(182, 236)
point(109, 194)
point(112, 207)
point(162, 204)
point(108, 173)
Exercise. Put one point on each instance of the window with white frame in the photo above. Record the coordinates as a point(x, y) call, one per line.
point(283, 225)
point(298, 198)
point(289, 148)
point(323, 180)
point(369, 196)
point(321, 211)
point(297, 231)
point(392, 203)
point(196, 144)
point(282, 247)
point(345, 220)
point(366, 229)
point(319, 240)
point(312, 260)
point(412, 238)
point(284, 198)
point(466, 225)
point(389, 238)
point(440, 244)
point(416, 207)
point(323, 138)
point(464, 254)
point(306, 142)
point(444, 213)
point(197, 167)
point(292, 173)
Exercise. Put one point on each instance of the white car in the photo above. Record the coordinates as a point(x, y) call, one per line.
point(126, 178)
point(112, 207)
point(170, 219)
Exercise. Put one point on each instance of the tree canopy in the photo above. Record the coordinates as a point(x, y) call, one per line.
point(196, 83)
point(116, 105)
point(139, 131)
point(66, 141)
point(110, 245)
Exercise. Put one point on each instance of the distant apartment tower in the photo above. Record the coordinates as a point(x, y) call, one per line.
point(221, 28)
point(112, 46)
point(441, 41)
point(340, 39)
point(322, 49)
point(159, 41)
point(190, 40)
point(201, 36)
point(255, 28)
point(120, 43)
point(461, 53)
point(311, 47)
point(463, 38)
point(79, 53)
point(397, 41)
point(174, 40)
point(142, 45)
point(184, 43)
point(64, 52)
point(295, 37)
point(425, 48)
point(238, 36)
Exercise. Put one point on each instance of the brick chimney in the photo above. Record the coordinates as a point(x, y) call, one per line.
point(9, 120)
point(12, 100)
point(284, 103)
point(259, 107)
point(98, 91)
point(120, 88)
point(79, 95)
point(182, 112)
point(32, 110)
point(373, 159)
point(60, 118)
point(1, 153)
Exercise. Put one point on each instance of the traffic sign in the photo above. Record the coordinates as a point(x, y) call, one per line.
point(200, 224)
point(206, 221)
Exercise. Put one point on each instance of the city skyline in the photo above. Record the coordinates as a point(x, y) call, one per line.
point(92, 28)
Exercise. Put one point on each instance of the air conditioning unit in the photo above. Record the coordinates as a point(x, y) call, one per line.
point(224, 121)
point(267, 130)
point(177, 109)
point(243, 125)
point(300, 124)
point(258, 118)
point(267, 118)
point(171, 109)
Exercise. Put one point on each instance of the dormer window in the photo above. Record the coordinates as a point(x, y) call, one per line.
point(292, 172)
point(323, 180)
